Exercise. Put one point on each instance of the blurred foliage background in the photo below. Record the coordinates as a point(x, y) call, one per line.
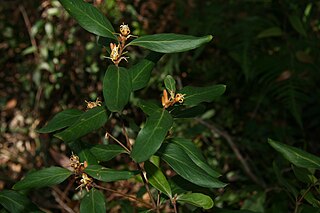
point(266, 52)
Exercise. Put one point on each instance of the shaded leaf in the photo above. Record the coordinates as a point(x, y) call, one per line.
point(180, 162)
point(89, 17)
point(82, 149)
point(196, 95)
point(151, 135)
point(45, 177)
point(304, 175)
point(170, 83)
point(189, 112)
point(195, 154)
point(106, 152)
point(88, 121)
point(61, 120)
point(94, 202)
point(116, 88)
point(296, 156)
point(140, 73)
point(149, 107)
point(15, 202)
point(196, 199)
point(157, 179)
point(108, 175)
point(270, 32)
point(292, 189)
point(296, 23)
point(170, 43)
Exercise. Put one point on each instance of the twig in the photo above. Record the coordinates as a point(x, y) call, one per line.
point(116, 140)
point(298, 201)
point(28, 25)
point(235, 149)
point(57, 195)
point(127, 137)
point(122, 194)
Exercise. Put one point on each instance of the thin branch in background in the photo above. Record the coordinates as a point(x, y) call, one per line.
point(28, 25)
point(116, 140)
point(235, 149)
point(57, 195)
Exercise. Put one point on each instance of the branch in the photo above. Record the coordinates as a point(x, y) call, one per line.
point(235, 149)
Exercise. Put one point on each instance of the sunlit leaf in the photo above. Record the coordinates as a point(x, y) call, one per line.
point(180, 162)
point(140, 73)
point(15, 202)
point(170, 43)
point(196, 95)
point(108, 175)
point(88, 121)
point(106, 152)
point(296, 156)
point(151, 135)
point(94, 202)
point(61, 120)
point(196, 199)
point(89, 17)
point(45, 177)
point(116, 88)
point(157, 179)
point(196, 156)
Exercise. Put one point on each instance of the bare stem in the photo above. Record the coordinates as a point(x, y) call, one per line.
point(122, 194)
point(116, 140)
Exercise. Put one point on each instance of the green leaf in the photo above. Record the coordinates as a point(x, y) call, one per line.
point(189, 112)
point(151, 135)
point(180, 162)
point(89, 17)
point(45, 177)
point(196, 95)
point(93, 202)
point(106, 152)
point(196, 156)
point(157, 179)
point(296, 23)
point(61, 120)
point(149, 107)
point(196, 199)
point(304, 175)
point(140, 73)
point(292, 189)
point(15, 202)
point(116, 88)
point(91, 120)
point(270, 32)
point(296, 156)
point(108, 175)
point(170, 83)
point(170, 43)
point(82, 149)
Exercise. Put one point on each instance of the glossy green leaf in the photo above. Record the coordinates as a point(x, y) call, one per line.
point(180, 162)
point(196, 95)
point(270, 32)
point(106, 152)
point(45, 177)
point(188, 112)
point(170, 83)
point(15, 202)
point(170, 43)
point(150, 107)
point(151, 135)
point(91, 120)
point(116, 88)
point(82, 149)
point(195, 154)
point(296, 156)
point(304, 175)
point(157, 179)
point(89, 17)
point(296, 23)
point(196, 199)
point(140, 73)
point(108, 175)
point(93, 202)
point(61, 120)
